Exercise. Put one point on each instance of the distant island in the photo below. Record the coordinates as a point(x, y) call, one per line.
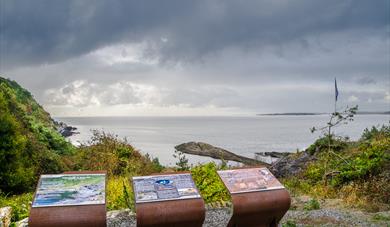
point(305, 114)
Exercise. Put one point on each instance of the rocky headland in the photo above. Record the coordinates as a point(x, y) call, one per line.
point(204, 149)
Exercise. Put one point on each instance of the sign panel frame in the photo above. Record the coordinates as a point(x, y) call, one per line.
point(249, 180)
point(166, 187)
point(73, 190)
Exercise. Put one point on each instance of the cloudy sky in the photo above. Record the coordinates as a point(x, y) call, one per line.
point(204, 57)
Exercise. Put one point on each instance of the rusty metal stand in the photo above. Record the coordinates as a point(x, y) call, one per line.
point(188, 213)
point(62, 216)
point(264, 208)
point(171, 212)
point(258, 198)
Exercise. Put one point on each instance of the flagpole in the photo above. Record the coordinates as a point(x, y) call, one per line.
point(336, 95)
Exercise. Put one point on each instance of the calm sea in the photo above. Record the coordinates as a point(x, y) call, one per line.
point(242, 135)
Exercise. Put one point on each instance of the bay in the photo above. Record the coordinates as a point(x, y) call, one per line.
point(242, 135)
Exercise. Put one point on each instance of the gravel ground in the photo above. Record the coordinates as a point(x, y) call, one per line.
point(214, 217)
point(327, 217)
point(219, 217)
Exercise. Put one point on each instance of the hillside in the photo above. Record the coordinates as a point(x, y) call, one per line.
point(357, 172)
point(30, 144)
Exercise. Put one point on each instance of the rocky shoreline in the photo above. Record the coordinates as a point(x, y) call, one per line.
point(283, 165)
point(64, 129)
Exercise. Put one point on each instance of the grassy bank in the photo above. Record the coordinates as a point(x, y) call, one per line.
point(361, 172)
point(358, 172)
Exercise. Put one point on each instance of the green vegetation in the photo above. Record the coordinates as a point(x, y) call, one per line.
point(116, 156)
point(20, 205)
point(289, 223)
point(120, 194)
point(359, 174)
point(121, 161)
point(182, 162)
point(312, 204)
point(209, 184)
point(381, 217)
point(336, 119)
point(30, 144)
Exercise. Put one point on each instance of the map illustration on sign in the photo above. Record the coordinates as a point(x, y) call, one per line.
point(164, 187)
point(70, 189)
point(249, 180)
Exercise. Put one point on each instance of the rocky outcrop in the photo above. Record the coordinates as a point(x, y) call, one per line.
point(5, 216)
point(286, 164)
point(65, 130)
point(204, 149)
point(291, 164)
point(273, 154)
point(270, 157)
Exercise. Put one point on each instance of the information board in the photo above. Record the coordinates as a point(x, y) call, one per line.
point(249, 180)
point(164, 187)
point(70, 190)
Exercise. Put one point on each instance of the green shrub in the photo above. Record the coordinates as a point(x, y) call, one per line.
point(209, 184)
point(312, 204)
point(297, 186)
point(289, 223)
point(381, 217)
point(20, 205)
point(106, 151)
point(372, 157)
point(182, 162)
point(119, 194)
point(30, 144)
point(321, 144)
point(15, 171)
point(314, 172)
point(369, 134)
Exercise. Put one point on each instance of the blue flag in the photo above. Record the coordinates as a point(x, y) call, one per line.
point(336, 91)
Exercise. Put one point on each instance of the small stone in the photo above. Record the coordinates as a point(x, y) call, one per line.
point(22, 223)
point(5, 216)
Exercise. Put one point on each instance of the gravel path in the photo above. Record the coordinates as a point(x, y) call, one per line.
point(214, 217)
point(219, 217)
point(328, 217)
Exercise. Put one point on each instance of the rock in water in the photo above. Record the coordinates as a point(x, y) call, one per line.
point(204, 149)
point(65, 130)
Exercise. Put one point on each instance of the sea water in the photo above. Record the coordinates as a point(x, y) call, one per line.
point(245, 136)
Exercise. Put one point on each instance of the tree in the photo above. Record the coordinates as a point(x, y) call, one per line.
point(15, 175)
point(336, 119)
point(182, 161)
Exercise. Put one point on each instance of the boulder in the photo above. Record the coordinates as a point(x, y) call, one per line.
point(5, 216)
point(291, 164)
point(204, 149)
point(22, 223)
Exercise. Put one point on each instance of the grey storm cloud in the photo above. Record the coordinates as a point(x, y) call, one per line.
point(257, 55)
point(46, 31)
